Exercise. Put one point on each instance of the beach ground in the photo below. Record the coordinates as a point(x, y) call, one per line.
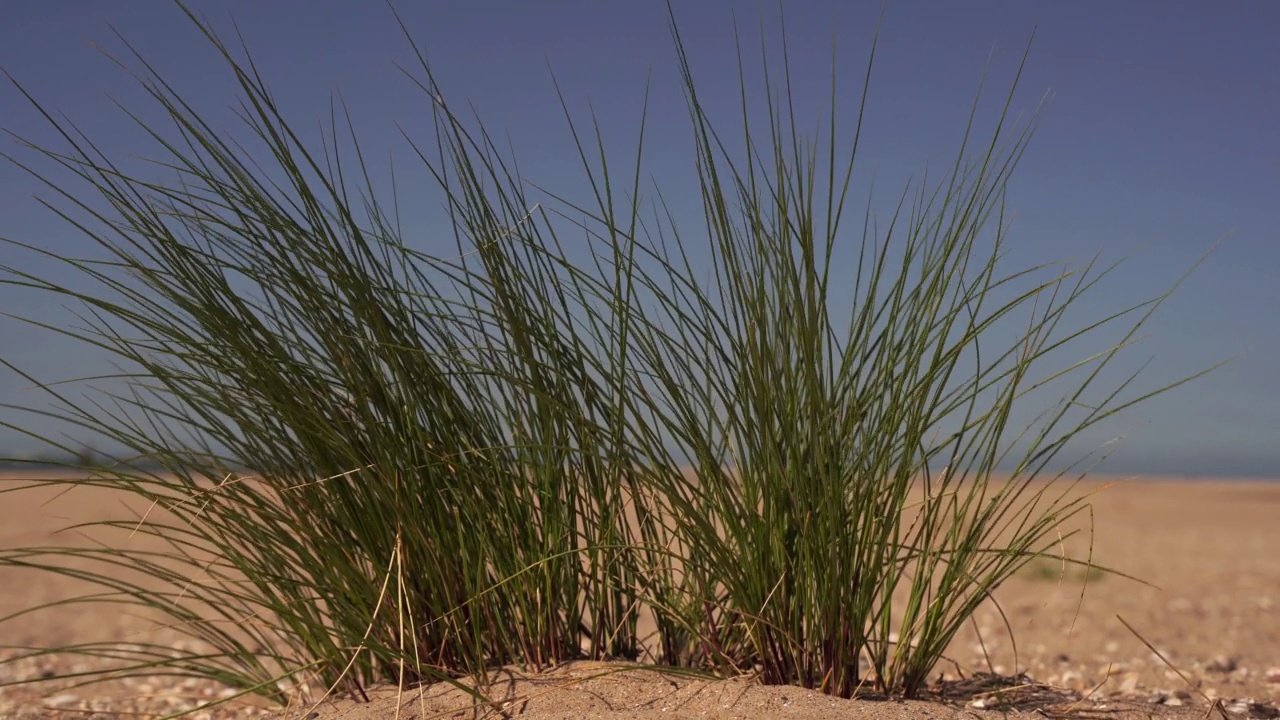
point(1207, 548)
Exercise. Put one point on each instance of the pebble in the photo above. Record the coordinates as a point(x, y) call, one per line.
point(1165, 697)
point(1273, 675)
point(1223, 664)
point(1252, 709)
point(63, 700)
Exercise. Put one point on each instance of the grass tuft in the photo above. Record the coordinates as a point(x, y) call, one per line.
point(371, 463)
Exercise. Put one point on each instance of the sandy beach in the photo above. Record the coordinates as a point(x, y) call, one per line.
point(1206, 548)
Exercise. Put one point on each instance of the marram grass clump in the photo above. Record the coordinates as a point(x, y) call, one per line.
point(375, 464)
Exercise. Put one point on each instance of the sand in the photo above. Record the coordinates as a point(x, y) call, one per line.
point(1208, 548)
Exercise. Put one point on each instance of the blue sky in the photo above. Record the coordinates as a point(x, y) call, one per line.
point(1160, 139)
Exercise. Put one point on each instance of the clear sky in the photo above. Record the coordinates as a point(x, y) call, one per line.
point(1160, 139)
